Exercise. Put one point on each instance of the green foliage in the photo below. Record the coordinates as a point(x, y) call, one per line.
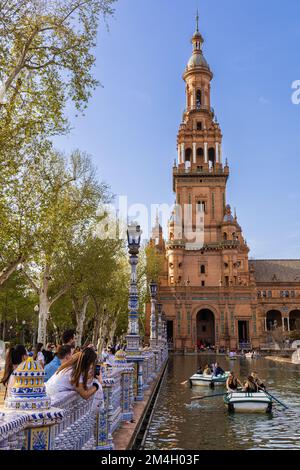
point(48, 202)
point(46, 59)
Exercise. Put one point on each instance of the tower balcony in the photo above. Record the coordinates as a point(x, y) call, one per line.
point(200, 107)
point(201, 170)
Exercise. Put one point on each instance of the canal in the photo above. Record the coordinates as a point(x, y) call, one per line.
point(206, 425)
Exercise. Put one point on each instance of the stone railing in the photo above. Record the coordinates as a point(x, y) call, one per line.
point(73, 423)
point(12, 431)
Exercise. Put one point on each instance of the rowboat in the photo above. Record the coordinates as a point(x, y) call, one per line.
point(249, 355)
point(200, 380)
point(243, 402)
point(252, 355)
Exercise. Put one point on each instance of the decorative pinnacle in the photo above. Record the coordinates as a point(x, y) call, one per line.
point(197, 21)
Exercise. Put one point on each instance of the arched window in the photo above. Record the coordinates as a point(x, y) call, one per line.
point(202, 269)
point(212, 155)
point(188, 155)
point(198, 99)
point(225, 236)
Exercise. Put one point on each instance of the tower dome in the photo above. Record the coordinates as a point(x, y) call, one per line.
point(197, 59)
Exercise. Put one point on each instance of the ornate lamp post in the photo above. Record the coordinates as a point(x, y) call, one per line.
point(134, 239)
point(159, 325)
point(153, 327)
point(133, 337)
point(164, 322)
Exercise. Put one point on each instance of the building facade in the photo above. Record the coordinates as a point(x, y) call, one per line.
point(212, 294)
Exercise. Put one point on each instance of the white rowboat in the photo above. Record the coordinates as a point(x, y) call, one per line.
point(242, 402)
point(207, 380)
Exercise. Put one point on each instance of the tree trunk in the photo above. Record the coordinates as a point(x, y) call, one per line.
point(44, 306)
point(56, 332)
point(80, 311)
point(97, 323)
point(113, 327)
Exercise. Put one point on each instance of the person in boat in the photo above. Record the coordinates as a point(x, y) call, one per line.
point(260, 385)
point(217, 370)
point(233, 383)
point(207, 370)
point(250, 385)
point(200, 371)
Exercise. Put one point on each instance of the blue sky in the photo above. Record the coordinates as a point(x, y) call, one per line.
point(131, 124)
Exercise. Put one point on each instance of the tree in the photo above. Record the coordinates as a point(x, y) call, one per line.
point(21, 198)
point(16, 310)
point(93, 263)
point(67, 211)
point(46, 58)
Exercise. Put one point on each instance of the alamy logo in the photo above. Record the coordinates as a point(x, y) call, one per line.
point(296, 94)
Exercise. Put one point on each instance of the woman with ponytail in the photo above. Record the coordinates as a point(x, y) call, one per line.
point(14, 357)
point(77, 374)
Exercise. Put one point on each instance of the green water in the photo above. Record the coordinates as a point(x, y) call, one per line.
point(207, 425)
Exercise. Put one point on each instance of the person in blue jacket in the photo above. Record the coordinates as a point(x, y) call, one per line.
point(63, 354)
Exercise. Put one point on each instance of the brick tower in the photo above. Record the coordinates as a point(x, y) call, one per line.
point(209, 290)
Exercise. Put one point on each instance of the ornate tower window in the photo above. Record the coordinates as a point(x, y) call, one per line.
point(188, 155)
point(198, 99)
point(202, 269)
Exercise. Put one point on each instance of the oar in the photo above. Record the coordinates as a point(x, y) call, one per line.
point(274, 398)
point(184, 383)
point(208, 396)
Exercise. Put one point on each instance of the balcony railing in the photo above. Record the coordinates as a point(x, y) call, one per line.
point(201, 171)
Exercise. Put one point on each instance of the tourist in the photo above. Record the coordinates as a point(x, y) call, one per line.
point(233, 383)
point(14, 357)
point(63, 354)
point(38, 355)
point(207, 370)
point(217, 370)
point(68, 337)
point(48, 353)
point(260, 385)
point(250, 385)
point(77, 374)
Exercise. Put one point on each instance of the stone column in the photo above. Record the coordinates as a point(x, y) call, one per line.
point(103, 434)
point(220, 154)
point(182, 153)
point(205, 153)
point(217, 152)
point(194, 152)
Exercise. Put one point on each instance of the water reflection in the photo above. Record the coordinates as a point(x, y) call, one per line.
point(181, 424)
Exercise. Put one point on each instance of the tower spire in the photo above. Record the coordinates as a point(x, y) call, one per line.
point(197, 21)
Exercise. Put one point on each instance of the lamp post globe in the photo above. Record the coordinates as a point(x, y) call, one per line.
point(134, 234)
point(153, 289)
